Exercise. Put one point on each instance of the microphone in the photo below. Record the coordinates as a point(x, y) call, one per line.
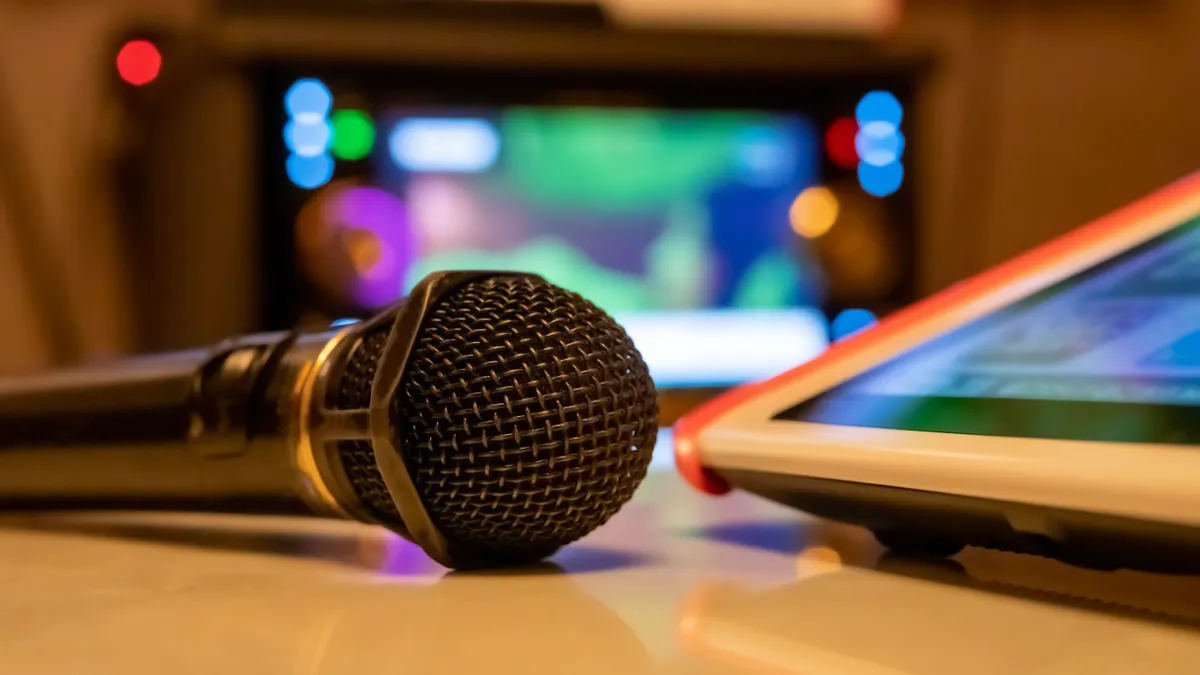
point(490, 417)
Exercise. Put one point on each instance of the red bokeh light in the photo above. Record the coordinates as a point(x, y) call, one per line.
point(139, 62)
point(839, 142)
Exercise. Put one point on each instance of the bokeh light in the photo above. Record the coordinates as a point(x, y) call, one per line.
point(444, 145)
point(879, 143)
point(356, 243)
point(840, 142)
point(308, 100)
point(851, 321)
point(307, 138)
point(309, 172)
point(879, 106)
point(814, 212)
point(353, 134)
point(139, 62)
point(881, 181)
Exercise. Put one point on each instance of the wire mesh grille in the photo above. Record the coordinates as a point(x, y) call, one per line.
point(526, 416)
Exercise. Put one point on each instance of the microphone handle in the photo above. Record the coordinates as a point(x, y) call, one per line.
point(207, 430)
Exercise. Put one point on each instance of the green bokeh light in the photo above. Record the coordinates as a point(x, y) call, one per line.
point(353, 134)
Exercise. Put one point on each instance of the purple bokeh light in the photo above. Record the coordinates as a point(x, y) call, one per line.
point(357, 211)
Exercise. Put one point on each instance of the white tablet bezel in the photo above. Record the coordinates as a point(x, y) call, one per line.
point(1144, 481)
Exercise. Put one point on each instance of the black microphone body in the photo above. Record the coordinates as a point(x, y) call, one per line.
point(490, 417)
point(208, 429)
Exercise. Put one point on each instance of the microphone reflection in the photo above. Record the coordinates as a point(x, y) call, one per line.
point(277, 606)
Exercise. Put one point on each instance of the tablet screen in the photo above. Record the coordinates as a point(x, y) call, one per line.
point(1112, 354)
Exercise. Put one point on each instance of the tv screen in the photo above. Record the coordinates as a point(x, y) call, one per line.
point(693, 225)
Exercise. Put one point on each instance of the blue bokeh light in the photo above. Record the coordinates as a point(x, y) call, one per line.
point(343, 322)
point(880, 181)
point(308, 138)
point(310, 172)
point(308, 99)
point(444, 145)
point(879, 106)
point(851, 321)
point(879, 143)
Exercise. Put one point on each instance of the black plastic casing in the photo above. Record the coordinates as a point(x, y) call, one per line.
point(185, 430)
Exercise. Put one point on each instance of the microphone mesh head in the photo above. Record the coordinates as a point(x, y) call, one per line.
point(526, 416)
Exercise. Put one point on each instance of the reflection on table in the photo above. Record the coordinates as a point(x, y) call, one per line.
point(677, 583)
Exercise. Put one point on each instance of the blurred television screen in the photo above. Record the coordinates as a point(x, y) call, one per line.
point(694, 226)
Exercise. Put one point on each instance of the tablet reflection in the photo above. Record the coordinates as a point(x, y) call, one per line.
point(854, 612)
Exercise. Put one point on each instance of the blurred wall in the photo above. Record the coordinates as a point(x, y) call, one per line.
point(53, 68)
point(1046, 114)
point(1041, 115)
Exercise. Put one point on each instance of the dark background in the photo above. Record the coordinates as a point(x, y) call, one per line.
point(1038, 116)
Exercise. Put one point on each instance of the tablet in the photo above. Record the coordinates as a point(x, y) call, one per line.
point(1050, 405)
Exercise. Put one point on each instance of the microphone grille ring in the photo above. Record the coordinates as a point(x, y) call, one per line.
point(358, 457)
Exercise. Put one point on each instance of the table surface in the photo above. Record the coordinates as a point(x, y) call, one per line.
point(676, 583)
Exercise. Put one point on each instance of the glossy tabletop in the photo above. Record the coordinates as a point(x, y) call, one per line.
point(677, 583)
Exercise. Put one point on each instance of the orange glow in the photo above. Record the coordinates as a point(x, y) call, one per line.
point(364, 249)
point(818, 560)
point(814, 212)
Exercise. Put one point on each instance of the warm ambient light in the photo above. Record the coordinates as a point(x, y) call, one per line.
point(139, 62)
point(814, 212)
point(817, 560)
